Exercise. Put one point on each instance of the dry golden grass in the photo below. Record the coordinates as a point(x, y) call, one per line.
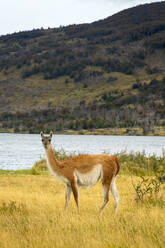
point(32, 215)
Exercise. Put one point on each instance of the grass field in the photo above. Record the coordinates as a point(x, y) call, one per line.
point(32, 215)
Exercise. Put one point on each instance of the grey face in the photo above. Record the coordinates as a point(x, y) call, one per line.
point(46, 140)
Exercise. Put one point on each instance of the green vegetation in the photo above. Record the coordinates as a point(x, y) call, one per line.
point(108, 74)
point(148, 189)
point(138, 164)
point(19, 172)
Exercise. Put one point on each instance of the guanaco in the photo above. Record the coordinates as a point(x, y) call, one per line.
point(83, 171)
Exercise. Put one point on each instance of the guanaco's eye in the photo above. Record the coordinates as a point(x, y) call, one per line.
point(49, 140)
point(42, 140)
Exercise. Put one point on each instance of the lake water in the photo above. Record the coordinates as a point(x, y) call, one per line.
point(21, 151)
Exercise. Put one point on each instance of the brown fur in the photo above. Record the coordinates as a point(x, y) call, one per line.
point(84, 164)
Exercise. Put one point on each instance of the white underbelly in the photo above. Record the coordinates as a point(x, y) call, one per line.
point(90, 178)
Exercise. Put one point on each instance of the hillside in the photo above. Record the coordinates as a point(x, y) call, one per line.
point(110, 73)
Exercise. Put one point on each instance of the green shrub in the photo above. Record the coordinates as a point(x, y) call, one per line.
point(140, 164)
point(147, 189)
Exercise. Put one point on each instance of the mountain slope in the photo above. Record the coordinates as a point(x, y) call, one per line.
point(86, 76)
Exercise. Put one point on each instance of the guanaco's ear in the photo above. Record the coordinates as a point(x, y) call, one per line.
point(42, 134)
point(51, 134)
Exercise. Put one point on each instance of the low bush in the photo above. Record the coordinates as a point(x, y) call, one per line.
point(138, 164)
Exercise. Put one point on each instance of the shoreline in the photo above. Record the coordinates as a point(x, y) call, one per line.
point(136, 131)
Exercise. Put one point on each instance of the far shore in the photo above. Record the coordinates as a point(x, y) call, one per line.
point(130, 131)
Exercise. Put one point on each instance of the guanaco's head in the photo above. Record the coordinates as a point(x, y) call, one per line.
point(46, 140)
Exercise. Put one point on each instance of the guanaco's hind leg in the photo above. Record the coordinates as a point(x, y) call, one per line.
point(115, 193)
point(106, 187)
point(75, 193)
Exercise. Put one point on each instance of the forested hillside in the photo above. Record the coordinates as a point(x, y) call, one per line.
point(110, 73)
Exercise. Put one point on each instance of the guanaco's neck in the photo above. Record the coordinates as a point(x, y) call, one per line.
point(53, 163)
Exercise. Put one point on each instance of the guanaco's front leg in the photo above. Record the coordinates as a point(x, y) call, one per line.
point(67, 196)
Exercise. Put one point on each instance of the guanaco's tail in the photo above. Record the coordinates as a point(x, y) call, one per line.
point(118, 166)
